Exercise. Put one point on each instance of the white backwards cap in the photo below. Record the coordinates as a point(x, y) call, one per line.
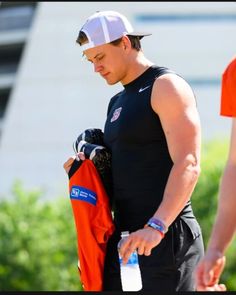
point(106, 26)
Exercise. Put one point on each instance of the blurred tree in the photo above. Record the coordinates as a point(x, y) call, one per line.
point(38, 244)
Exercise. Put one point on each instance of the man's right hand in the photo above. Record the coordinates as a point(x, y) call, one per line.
point(67, 165)
point(209, 270)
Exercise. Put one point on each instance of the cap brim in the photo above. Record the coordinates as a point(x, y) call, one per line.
point(139, 34)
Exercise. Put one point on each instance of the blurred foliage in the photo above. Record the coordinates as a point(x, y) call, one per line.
point(205, 199)
point(205, 196)
point(38, 249)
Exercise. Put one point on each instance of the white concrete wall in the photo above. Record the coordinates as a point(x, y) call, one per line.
point(57, 95)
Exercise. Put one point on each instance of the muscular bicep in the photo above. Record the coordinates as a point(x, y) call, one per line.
point(174, 102)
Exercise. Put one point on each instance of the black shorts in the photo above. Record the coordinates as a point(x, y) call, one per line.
point(171, 265)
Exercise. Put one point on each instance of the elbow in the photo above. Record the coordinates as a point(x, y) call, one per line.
point(193, 166)
point(197, 171)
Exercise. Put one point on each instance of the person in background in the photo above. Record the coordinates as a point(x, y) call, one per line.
point(153, 132)
point(210, 268)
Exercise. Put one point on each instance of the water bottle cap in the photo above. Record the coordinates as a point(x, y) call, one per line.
point(124, 234)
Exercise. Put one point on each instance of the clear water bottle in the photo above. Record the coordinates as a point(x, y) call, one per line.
point(130, 274)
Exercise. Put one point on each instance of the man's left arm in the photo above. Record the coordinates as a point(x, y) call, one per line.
point(174, 102)
point(176, 107)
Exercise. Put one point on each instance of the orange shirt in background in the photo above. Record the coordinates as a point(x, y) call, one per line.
point(228, 90)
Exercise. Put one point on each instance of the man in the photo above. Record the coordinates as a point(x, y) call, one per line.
point(153, 132)
point(210, 268)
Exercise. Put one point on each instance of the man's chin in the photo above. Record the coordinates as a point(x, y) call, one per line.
point(111, 82)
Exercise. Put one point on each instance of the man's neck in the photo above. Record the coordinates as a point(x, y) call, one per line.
point(138, 64)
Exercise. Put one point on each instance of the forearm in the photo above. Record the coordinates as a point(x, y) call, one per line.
point(180, 185)
point(225, 223)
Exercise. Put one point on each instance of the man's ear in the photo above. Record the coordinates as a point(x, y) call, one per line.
point(126, 43)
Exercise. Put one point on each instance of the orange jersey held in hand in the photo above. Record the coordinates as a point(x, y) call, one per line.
point(93, 220)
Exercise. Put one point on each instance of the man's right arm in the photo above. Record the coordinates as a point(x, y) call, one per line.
point(210, 268)
point(225, 224)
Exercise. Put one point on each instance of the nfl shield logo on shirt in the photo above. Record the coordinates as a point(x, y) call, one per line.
point(116, 114)
point(80, 193)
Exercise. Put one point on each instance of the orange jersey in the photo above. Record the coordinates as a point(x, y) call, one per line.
point(93, 221)
point(228, 90)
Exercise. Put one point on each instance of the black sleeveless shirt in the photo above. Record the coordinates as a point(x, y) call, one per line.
point(141, 162)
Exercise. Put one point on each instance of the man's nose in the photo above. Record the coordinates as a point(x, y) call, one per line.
point(97, 68)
